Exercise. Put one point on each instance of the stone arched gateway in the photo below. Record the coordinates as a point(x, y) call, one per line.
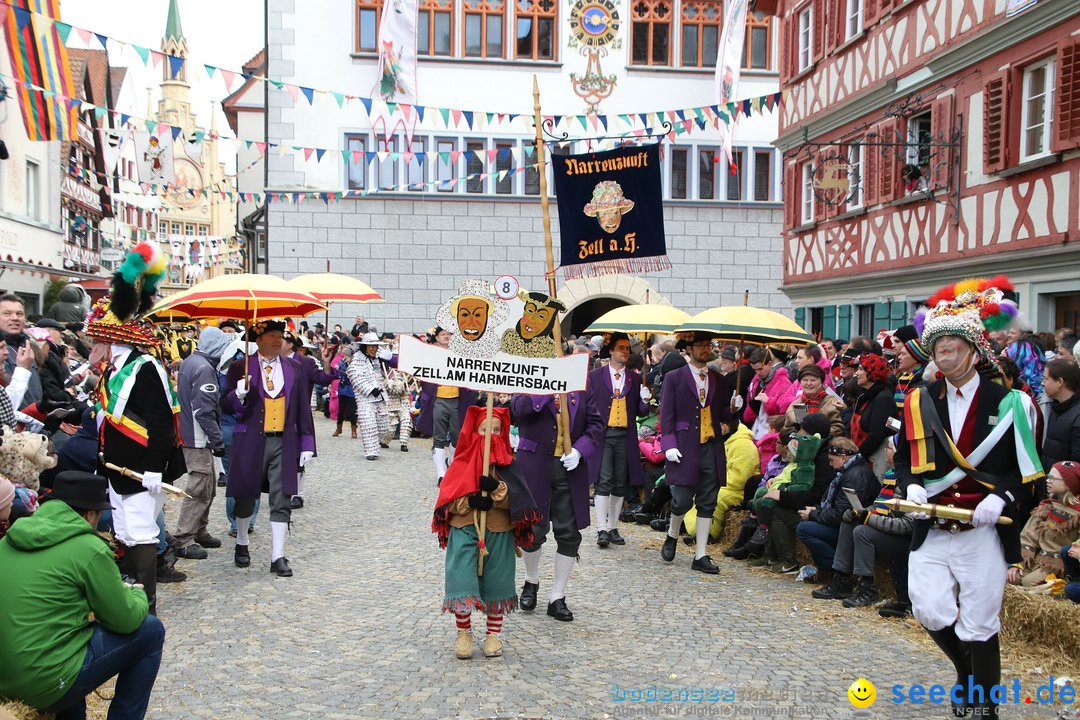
point(588, 298)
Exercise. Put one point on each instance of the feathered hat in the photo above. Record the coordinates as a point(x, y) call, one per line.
point(970, 309)
point(115, 318)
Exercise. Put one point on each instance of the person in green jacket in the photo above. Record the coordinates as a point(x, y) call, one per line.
point(68, 622)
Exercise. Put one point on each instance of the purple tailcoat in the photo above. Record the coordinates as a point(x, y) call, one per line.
point(680, 423)
point(535, 419)
point(425, 420)
point(245, 463)
point(603, 393)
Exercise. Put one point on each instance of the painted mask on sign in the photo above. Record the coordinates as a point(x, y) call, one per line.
point(472, 318)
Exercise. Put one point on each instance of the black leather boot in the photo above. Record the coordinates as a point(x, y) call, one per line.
point(144, 570)
point(754, 547)
point(960, 654)
point(986, 673)
point(746, 531)
point(528, 596)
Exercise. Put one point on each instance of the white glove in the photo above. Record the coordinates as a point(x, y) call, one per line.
point(242, 388)
point(737, 403)
point(673, 455)
point(645, 394)
point(571, 459)
point(384, 353)
point(305, 455)
point(152, 482)
point(917, 494)
point(988, 511)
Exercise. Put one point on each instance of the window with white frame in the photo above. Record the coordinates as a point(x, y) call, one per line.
point(444, 168)
point(707, 161)
point(1036, 113)
point(357, 168)
point(855, 175)
point(807, 209)
point(680, 172)
point(474, 166)
point(387, 166)
point(854, 18)
point(414, 167)
point(806, 37)
point(735, 172)
point(33, 190)
point(762, 175)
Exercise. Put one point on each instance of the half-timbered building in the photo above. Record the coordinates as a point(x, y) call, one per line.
point(925, 141)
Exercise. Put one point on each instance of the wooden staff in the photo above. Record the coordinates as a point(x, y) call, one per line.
point(482, 531)
point(545, 212)
point(942, 511)
point(129, 473)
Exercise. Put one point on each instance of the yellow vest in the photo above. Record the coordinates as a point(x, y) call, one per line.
point(274, 414)
point(446, 391)
point(707, 433)
point(617, 416)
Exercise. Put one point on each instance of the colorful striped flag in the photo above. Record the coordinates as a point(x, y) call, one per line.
point(38, 57)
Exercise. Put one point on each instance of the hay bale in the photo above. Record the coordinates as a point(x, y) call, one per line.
point(1042, 620)
point(13, 710)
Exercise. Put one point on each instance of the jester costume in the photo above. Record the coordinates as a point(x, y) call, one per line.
point(511, 515)
point(137, 413)
point(967, 442)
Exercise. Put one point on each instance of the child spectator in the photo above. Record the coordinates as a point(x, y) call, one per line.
point(1053, 523)
point(766, 444)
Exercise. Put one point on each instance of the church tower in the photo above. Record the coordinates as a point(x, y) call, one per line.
point(174, 108)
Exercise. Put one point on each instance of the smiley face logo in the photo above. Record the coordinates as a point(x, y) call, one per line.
point(862, 693)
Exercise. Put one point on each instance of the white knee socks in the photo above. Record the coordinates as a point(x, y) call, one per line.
point(676, 523)
point(278, 530)
point(601, 503)
point(438, 456)
point(532, 566)
point(703, 524)
point(450, 453)
point(300, 484)
point(564, 564)
point(614, 510)
point(242, 530)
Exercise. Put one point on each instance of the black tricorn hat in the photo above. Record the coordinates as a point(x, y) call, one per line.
point(81, 490)
point(264, 326)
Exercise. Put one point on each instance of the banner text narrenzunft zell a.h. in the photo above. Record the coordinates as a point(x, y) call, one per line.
point(502, 373)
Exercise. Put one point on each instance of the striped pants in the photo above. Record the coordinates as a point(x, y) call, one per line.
point(400, 408)
point(374, 425)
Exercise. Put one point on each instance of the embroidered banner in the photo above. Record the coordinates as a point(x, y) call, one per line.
point(611, 216)
point(728, 65)
point(39, 60)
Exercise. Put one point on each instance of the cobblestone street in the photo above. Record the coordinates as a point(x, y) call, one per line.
point(357, 632)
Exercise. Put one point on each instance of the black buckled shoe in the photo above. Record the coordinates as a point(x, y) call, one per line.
point(705, 564)
point(667, 553)
point(280, 567)
point(528, 596)
point(241, 556)
point(603, 539)
point(559, 611)
point(615, 537)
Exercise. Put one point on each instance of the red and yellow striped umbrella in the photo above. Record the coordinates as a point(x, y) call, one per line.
point(244, 296)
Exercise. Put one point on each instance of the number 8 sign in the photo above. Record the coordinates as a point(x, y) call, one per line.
point(506, 287)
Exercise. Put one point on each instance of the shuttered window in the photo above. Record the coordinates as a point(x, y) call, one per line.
point(995, 122)
point(1066, 133)
point(888, 176)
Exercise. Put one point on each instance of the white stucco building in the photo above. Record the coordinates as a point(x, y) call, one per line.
point(420, 234)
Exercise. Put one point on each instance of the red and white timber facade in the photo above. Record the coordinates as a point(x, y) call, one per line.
point(926, 141)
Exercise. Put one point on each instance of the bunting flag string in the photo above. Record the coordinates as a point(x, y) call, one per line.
point(683, 120)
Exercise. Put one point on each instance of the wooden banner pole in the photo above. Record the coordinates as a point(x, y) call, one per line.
point(482, 532)
point(545, 211)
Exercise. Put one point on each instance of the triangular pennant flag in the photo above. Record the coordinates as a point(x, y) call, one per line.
point(99, 112)
point(84, 35)
point(319, 152)
point(455, 155)
point(468, 117)
point(294, 91)
point(151, 127)
point(357, 156)
point(229, 76)
point(419, 112)
point(308, 93)
point(644, 117)
point(261, 146)
point(63, 29)
point(340, 97)
point(176, 132)
point(344, 156)
point(307, 153)
point(445, 113)
point(746, 107)
point(210, 70)
point(156, 57)
point(104, 40)
point(366, 102)
point(457, 117)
